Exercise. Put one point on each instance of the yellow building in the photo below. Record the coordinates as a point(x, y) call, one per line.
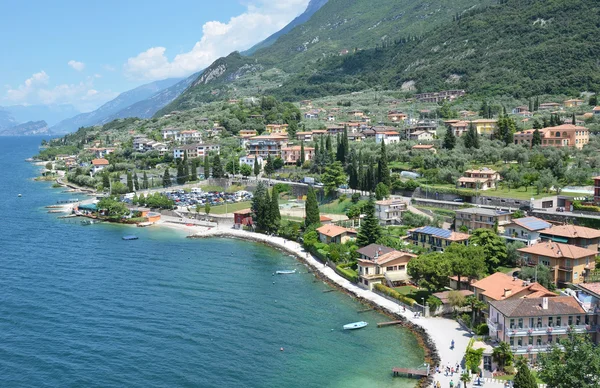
point(485, 126)
point(277, 128)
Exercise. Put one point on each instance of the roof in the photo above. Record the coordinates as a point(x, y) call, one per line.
point(325, 218)
point(394, 255)
point(596, 108)
point(422, 146)
point(371, 249)
point(558, 250)
point(591, 287)
point(332, 230)
point(442, 233)
point(243, 212)
point(483, 211)
point(532, 307)
point(443, 296)
point(572, 231)
point(493, 286)
point(417, 133)
point(297, 148)
point(482, 170)
point(100, 162)
point(566, 127)
point(532, 223)
point(390, 202)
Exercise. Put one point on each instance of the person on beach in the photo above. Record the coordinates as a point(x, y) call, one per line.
point(451, 383)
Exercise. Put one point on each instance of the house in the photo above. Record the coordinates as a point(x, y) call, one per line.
point(355, 136)
point(266, 145)
point(396, 116)
point(589, 295)
point(188, 136)
point(549, 106)
point(98, 165)
point(436, 239)
point(480, 179)
point(250, 159)
point(565, 135)
point(459, 128)
point(532, 325)
point(388, 137)
point(333, 234)
point(500, 286)
point(569, 264)
point(572, 103)
point(169, 133)
point(580, 236)
point(477, 218)
point(330, 117)
point(356, 113)
point(597, 190)
point(280, 129)
point(247, 133)
point(596, 111)
point(242, 217)
point(526, 229)
point(325, 220)
point(101, 152)
point(384, 268)
point(389, 212)
point(291, 155)
point(485, 126)
point(446, 307)
point(304, 136)
point(195, 150)
point(424, 147)
point(444, 95)
point(422, 135)
point(520, 109)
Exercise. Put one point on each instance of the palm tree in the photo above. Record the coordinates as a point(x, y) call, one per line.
point(476, 306)
point(465, 378)
point(502, 355)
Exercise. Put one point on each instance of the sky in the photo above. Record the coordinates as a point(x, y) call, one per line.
point(85, 53)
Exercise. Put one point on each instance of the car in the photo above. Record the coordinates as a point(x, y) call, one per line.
point(458, 200)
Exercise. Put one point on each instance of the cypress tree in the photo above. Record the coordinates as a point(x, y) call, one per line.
point(217, 168)
point(531, 105)
point(258, 204)
point(471, 138)
point(345, 145)
point(129, 182)
point(312, 208)
point(145, 184)
point(267, 218)
point(353, 171)
point(256, 166)
point(524, 378)
point(194, 171)
point(302, 155)
point(536, 104)
point(136, 182)
point(449, 139)
point(574, 121)
point(537, 138)
point(269, 168)
point(536, 124)
point(328, 144)
point(383, 171)
point(206, 166)
point(166, 178)
point(180, 174)
point(274, 213)
point(105, 181)
point(370, 231)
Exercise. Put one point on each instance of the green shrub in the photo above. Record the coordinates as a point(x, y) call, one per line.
point(585, 208)
point(395, 294)
point(482, 329)
point(347, 273)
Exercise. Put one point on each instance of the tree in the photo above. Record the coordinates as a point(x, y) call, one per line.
point(493, 246)
point(259, 205)
point(573, 119)
point(256, 166)
point(105, 181)
point(465, 377)
point(512, 252)
point(302, 154)
point(246, 170)
point(593, 101)
point(207, 208)
point(476, 306)
point(540, 273)
point(456, 299)
point(194, 171)
point(113, 207)
point(180, 174)
point(383, 171)
point(145, 184)
point(278, 163)
point(370, 230)
point(217, 167)
point(578, 365)
point(381, 191)
point(269, 168)
point(206, 166)
point(136, 182)
point(430, 270)
point(471, 138)
point(503, 355)
point(524, 377)
point(449, 139)
point(536, 124)
point(313, 216)
point(466, 261)
point(129, 182)
point(333, 177)
point(166, 178)
point(274, 214)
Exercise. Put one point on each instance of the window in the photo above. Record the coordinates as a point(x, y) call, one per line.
point(570, 320)
point(539, 341)
point(520, 323)
point(578, 320)
point(389, 268)
point(545, 262)
point(512, 341)
point(530, 340)
point(512, 323)
point(531, 322)
point(558, 321)
point(550, 321)
point(539, 322)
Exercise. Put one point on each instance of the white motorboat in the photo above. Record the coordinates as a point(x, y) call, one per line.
point(286, 272)
point(355, 325)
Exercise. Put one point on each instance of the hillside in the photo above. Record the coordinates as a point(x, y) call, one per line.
point(519, 48)
point(312, 7)
point(337, 25)
point(7, 120)
point(121, 102)
point(30, 128)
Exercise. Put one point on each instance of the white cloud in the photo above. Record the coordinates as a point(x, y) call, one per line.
point(109, 68)
point(261, 19)
point(79, 66)
point(37, 90)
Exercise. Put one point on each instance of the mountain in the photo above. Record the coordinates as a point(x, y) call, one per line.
point(519, 48)
point(51, 114)
point(336, 30)
point(147, 108)
point(312, 7)
point(121, 102)
point(27, 129)
point(7, 120)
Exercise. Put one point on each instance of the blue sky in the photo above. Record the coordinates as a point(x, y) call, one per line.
point(86, 52)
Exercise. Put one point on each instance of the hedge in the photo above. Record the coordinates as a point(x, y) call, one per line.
point(347, 273)
point(395, 294)
point(587, 208)
point(450, 190)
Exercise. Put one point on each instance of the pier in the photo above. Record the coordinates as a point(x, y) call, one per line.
point(68, 201)
point(384, 324)
point(410, 372)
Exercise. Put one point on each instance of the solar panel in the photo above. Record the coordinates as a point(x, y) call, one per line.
point(534, 223)
point(435, 231)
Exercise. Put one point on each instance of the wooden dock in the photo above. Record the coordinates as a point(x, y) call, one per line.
point(68, 201)
point(410, 372)
point(365, 310)
point(328, 291)
point(384, 324)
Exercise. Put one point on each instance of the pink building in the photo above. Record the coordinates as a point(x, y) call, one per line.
point(291, 155)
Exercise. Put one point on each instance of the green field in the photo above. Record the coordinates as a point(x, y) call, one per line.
point(336, 207)
point(414, 293)
point(231, 207)
point(505, 193)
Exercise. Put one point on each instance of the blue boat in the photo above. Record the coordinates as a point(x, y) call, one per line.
point(130, 237)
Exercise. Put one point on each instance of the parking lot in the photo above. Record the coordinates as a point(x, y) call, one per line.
point(214, 198)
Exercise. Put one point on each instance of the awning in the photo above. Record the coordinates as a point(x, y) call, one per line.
point(556, 238)
point(397, 276)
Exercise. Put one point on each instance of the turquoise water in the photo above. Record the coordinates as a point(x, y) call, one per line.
point(81, 307)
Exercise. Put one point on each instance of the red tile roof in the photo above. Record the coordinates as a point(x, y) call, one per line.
point(572, 231)
point(558, 250)
point(100, 162)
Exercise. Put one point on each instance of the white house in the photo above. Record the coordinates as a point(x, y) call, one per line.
point(98, 165)
point(389, 212)
point(249, 160)
point(388, 137)
point(526, 230)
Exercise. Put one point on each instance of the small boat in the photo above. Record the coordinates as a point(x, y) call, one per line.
point(19, 195)
point(130, 237)
point(286, 272)
point(355, 325)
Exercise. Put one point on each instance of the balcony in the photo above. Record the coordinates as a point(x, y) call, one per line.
point(532, 349)
point(546, 330)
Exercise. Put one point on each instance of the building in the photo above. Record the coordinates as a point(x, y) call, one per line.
point(265, 145)
point(436, 239)
point(477, 218)
point(304, 136)
point(101, 152)
point(596, 111)
point(422, 135)
point(424, 147)
point(572, 103)
point(500, 286)
point(388, 137)
point(597, 190)
point(372, 251)
point(520, 109)
point(249, 160)
point(444, 95)
point(169, 133)
point(291, 155)
point(98, 165)
point(580, 236)
point(396, 116)
point(569, 264)
point(485, 126)
point(550, 106)
point(356, 113)
point(459, 128)
point(384, 268)
point(247, 133)
point(447, 307)
point(532, 325)
point(481, 179)
point(242, 218)
point(565, 135)
point(280, 129)
point(333, 234)
point(389, 212)
point(188, 136)
point(195, 150)
point(526, 229)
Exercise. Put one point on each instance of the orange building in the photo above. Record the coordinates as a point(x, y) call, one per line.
point(291, 155)
point(566, 135)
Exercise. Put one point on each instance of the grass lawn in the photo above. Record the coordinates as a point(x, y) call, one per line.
point(231, 207)
point(337, 207)
point(400, 166)
point(504, 192)
point(506, 269)
point(512, 377)
point(415, 293)
point(396, 231)
point(438, 211)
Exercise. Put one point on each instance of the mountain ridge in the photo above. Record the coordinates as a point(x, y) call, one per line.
point(30, 128)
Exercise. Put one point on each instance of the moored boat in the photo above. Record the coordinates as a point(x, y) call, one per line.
point(355, 325)
point(286, 272)
point(130, 237)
